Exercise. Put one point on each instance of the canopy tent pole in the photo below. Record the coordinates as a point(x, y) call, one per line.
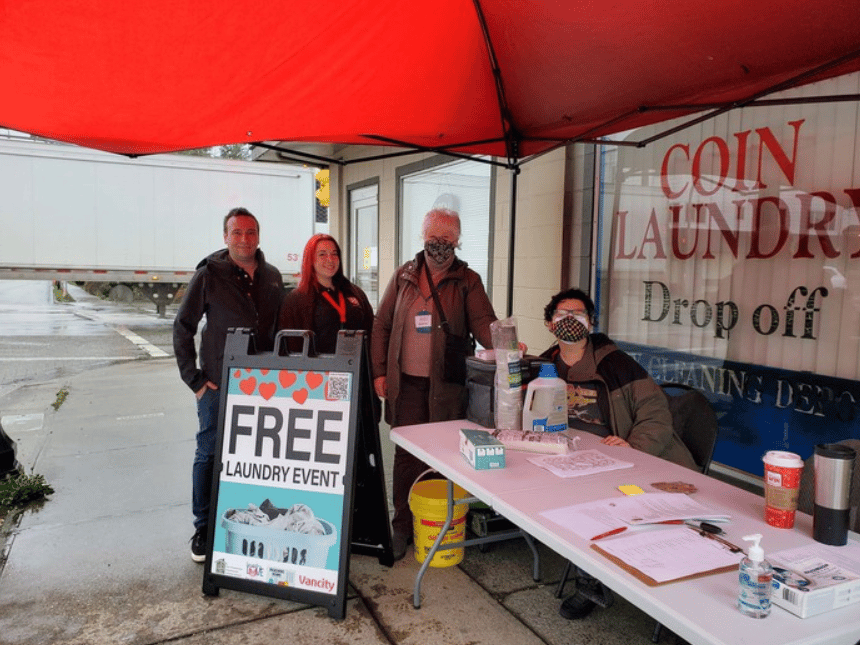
point(515, 170)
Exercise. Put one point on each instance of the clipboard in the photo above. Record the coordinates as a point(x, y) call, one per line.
point(651, 582)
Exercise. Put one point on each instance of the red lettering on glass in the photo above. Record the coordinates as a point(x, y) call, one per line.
point(854, 194)
point(621, 227)
point(664, 172)
point(768, 140)
point(781, 229)
point(680, 235)
point(678, 163)
point(820, 227)
point(741, 167)
point(729, 235)
point(652, 236)
point(724, 156)
point(766, 224)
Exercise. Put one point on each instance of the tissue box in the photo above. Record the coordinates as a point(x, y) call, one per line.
point(481, 449)
point(813, 579)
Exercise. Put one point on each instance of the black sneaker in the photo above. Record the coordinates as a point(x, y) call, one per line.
point(594, 590)
point(198, 544)
point(399, 543)
point(576, 606)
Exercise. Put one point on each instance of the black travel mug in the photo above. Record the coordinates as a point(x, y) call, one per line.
point(834, 464)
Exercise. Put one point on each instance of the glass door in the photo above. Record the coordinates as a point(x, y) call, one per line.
point(363, 267)
point(462, 186)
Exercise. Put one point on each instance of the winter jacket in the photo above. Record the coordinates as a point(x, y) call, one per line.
point(216, 291)
point(466, 306)
point(634, 405)
point(298, 309)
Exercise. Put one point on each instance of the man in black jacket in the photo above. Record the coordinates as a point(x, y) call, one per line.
point(233, 287)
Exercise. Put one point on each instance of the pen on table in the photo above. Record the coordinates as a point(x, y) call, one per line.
point(621, 529)
point(734, 548)
point(707, 527)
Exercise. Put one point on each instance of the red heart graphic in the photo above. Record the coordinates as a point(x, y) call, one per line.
point(248, 369)
point(313, 380)
point(267, 390)
point(286, 378)
point(248, 385)
point(300, 396)
point(238, 373)
point(264, 372)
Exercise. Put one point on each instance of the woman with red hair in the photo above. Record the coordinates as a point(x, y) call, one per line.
point(325, 301)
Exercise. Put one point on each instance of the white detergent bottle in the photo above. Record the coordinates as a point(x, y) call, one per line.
point(545, 406)
point(756, 579)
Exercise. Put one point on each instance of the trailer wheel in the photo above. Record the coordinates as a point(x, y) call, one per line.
point(121, 293)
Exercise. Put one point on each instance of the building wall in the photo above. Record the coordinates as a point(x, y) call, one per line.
point(796, 389)
point(540, 216)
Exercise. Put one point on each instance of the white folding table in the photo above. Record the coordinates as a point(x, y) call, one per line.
point(701, 610)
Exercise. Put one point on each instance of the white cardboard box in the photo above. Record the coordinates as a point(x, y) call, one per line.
point(816, 578)
point(481, 449)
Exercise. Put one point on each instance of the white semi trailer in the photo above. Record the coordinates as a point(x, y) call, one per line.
point(75, 214)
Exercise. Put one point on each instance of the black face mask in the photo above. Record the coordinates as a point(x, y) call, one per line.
point(569, 329)
point(439, 250)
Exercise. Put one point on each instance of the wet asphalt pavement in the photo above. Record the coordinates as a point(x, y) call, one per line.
point(106, 559)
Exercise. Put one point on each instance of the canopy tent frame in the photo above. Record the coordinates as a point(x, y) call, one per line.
point(286, 153)
point(493, 81)
point(714, 110)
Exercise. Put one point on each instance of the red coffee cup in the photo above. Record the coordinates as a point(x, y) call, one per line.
point(782, 472)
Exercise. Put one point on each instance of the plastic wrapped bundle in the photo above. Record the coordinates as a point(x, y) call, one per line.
point(556, 443)
point(509, 379)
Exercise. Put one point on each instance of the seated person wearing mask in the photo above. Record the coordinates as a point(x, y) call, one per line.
point(608, 394)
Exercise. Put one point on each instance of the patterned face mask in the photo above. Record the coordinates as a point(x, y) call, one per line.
point(569, 329)
point(439, 251)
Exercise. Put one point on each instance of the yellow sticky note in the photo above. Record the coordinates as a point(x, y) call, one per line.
point(630, 489)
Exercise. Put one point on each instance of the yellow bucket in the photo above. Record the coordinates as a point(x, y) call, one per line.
point(428, 501)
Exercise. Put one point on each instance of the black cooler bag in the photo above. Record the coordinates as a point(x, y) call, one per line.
point(481, 386)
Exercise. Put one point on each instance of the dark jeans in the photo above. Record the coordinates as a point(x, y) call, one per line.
point(412, 407)
point(204, 456)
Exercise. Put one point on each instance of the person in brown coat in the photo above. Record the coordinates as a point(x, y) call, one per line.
point(408, 345)
point(608, 394)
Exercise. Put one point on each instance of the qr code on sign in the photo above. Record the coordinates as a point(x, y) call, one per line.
point(338, 387)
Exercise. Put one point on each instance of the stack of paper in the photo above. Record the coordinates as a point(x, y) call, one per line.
point(671, 554)
point(580, 462)
point(593, 520)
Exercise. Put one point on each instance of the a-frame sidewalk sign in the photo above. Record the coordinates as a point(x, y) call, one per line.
point(298, 481)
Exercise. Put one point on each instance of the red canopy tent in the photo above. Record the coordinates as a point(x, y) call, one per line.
point(511, 78)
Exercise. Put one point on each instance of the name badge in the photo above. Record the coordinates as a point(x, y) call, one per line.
point(423, 322)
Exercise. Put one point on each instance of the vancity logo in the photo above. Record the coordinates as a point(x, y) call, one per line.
point(317, 583)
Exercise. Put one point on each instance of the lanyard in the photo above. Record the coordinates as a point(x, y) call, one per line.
point(340, 307)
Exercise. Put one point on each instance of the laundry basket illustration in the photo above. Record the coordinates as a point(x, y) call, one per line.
point(267, 543)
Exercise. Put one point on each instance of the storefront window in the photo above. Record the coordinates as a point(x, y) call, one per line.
point(463, 186)
point(729, 259)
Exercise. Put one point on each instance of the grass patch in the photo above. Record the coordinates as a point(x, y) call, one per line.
point(18, 491)
point(61, 396)
point(60, 295)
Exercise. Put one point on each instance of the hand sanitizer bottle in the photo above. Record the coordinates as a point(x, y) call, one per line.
point(756, 578)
